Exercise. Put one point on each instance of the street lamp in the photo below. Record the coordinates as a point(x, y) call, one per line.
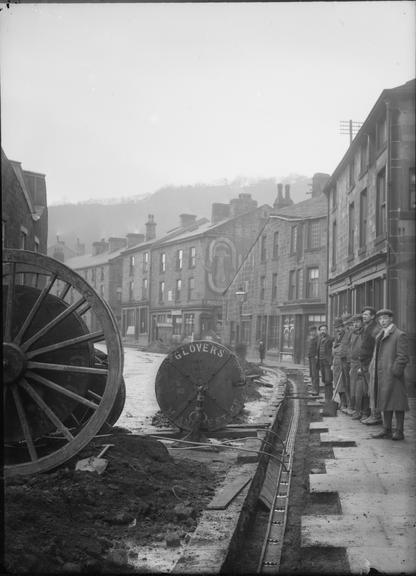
point(241, 296)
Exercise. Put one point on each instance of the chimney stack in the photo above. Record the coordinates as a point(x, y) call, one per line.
point(133, 238)
point(319, 181)
point(150, 228)
point(187, 219)
point(99, 247)
point(287, 192)
point(244, 203)
point(279, 192)
point(219, 212)
point(115, 243)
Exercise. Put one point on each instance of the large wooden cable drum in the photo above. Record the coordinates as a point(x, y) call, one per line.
point(51, 319)
point(198, 366)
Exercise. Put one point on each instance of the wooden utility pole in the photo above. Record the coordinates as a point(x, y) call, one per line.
point(350, 127)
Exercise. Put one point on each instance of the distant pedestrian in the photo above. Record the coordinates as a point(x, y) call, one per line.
point(313, 359)
point(262, 351)
point(371, 329)
point(325, 360)
point(391, 354)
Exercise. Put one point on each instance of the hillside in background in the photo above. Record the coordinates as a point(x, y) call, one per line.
point(92, 220)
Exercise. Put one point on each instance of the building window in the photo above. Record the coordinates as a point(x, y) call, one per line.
point(412, 189)
point(263, 249)
point(102, 290)
point(262, 287)
point(276, 245)
point(161, 291)
point(192, 257)
point(312, 286)
point(131, 290)
point(144, 288)
point(178, 290)
point(162, 266)
point(293, 239)
point(145, 261)
point(189, 324)
point(351, 227)
point(364, 155)
point(179, 259)
point(292, 284)
point(132, 261)
point(314, 234)
point(23, 239)
point(381, 133)
point(102, 273)
point(37, 244)
point(191, 288)
point(363, 218)
point(93, 275)
point(334, 244)
point(381, 203)
point(274, 286)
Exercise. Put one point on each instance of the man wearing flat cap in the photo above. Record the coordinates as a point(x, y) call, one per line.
point(391, 354)
point(371, 329)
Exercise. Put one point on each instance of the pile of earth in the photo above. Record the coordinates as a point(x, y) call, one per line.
point(73, 521)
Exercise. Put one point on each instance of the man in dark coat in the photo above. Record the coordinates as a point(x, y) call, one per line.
point(371, 329)
point(313, 359)
point(325, 360)
point(262, 351)
point(391, 354)
point(358, 401)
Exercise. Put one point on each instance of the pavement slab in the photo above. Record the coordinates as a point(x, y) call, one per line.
point(376, 486)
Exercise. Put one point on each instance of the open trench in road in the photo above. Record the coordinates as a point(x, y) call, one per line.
point(308, 458)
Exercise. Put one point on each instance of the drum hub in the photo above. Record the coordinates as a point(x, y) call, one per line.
point(14, 363)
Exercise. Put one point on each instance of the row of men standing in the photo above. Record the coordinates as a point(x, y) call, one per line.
point(364, 363)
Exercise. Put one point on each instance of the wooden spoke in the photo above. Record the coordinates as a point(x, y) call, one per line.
point(10, 303)
point(43, 406)
point(35, 308)
point(66, 368)
point(94, 395)
point(60, 318)
point(24, 424)
point(61, 389)
point(75, 419)
point(65, 291)
point(84, 310)
point(92, 337)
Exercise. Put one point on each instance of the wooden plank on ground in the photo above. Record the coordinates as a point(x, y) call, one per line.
point(228, 493)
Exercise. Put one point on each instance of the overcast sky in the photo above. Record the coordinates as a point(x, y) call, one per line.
point(112, 100)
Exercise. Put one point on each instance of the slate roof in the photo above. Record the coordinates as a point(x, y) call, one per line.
point(311, 208)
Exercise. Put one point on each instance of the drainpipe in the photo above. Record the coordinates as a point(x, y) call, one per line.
point(327, 264)
point(389, 294)
point(149, 294)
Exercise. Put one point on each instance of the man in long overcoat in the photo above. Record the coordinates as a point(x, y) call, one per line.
point(391, 354)
point(371, 329)
point(313, 359)
point(325, 360)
